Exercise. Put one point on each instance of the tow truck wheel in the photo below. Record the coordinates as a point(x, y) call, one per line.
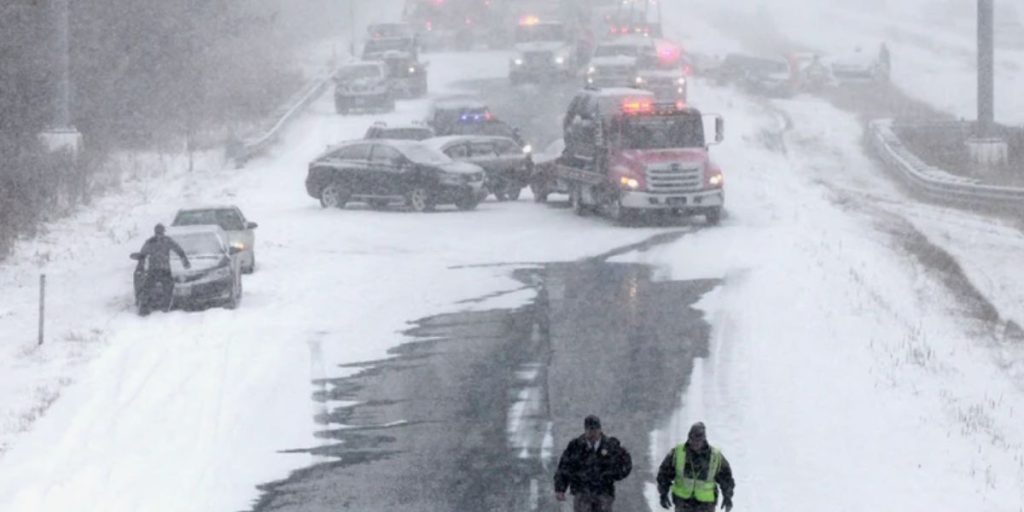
point(576, 200)
point(620, 214)
point(713, 216)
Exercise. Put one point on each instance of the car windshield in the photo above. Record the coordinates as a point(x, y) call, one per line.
point(199, 243)
point(424, 155)
point(227, 219)
point(407, 134)
point(661, 132)
point(386, 30)
point(617, 50)
point(357, 72)
point(540, 32)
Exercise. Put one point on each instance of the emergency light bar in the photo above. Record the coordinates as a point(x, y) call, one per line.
point(639, 106)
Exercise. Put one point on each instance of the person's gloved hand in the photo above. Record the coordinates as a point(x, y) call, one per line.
point(727, 504)
point(666, 502)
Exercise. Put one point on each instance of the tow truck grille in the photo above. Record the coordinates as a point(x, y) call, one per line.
point(537, 59)
point(674, 178)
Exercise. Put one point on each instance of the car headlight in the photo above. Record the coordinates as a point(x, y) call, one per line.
point(559, 60)
point(527, 149)
point(518, 62)
point(639, 80)
point(412, 69)
point(219, 273)
point(591, 70)
point(630, 183)
point(238, 245)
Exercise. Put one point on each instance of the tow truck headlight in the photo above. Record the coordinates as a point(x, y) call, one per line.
point(412, 69)
point(559, 60)
point(591, 70)
point(518, 61)
point(630, 183)
point(639, 80)
point(527, 149)
point(681, 81)
point(716, 180)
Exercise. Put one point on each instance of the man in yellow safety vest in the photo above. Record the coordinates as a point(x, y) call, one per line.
point(693, 472)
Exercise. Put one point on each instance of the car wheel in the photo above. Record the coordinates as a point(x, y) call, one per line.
point(469, 202)
point(252, 264)
point(420, 199)
point(334, 195)
point(236, 295)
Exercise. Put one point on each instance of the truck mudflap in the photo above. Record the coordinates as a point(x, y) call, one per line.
point(684, 201)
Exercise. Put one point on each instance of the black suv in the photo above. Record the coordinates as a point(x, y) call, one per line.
point(384, 172)
point(415, 131)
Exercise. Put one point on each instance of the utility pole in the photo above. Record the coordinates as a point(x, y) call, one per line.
point(62, 136)
point(986, 68)
point(986, 147)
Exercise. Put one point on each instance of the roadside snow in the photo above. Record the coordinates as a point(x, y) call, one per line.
point(839, 362)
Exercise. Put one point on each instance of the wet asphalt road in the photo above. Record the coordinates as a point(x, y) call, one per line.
point(431, 430)
point(473, 414)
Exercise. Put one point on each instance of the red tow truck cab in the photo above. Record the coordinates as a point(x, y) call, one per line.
point(643, 156)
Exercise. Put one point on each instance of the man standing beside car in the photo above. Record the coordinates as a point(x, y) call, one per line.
point(157, 250)
point(589, 467)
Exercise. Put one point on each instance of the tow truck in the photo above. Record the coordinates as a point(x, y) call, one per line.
point(542, 50)
point(401, 56)
point(617, 63)
point(625, 155)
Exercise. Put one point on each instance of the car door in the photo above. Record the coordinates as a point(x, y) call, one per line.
point(386, 166)
point(482, 153)
point(354, 166)
point(457, 151)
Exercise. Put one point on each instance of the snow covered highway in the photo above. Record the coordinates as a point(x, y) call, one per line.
point(849, 347)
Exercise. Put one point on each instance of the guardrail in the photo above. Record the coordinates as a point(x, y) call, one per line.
point(932, 181)
point(255, 146)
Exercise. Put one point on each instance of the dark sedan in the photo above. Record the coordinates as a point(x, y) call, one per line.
point(385, 172)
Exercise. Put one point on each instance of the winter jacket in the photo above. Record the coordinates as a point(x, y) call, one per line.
point(697, 465)
point(158, 251)
point(587, 471)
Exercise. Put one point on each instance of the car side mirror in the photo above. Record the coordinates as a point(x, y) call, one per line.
point(719, 130)
point(137, 256)
point(251, 225)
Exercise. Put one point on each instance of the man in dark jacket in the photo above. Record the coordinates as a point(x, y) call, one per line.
point(693, 472)
point(589, 467)
point(157, 250)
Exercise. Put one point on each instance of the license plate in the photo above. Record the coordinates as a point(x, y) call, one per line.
point(676, 201)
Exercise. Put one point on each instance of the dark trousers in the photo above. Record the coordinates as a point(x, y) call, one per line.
point(157, 279)
point(692, 506)
point(592, 503)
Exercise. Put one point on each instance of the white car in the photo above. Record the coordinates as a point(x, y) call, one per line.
point(239, 231)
